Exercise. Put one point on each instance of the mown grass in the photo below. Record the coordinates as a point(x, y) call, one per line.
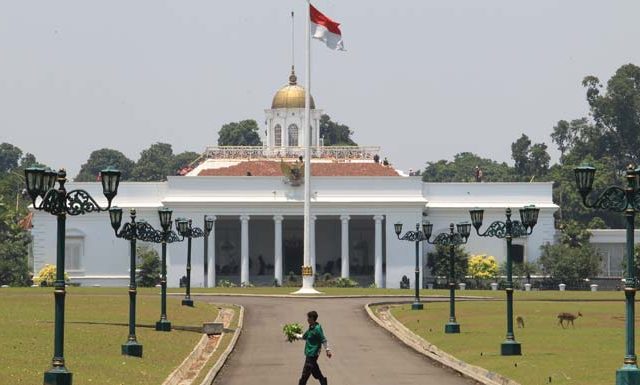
point(588, 354)
point(92, 351)
point(500, 294)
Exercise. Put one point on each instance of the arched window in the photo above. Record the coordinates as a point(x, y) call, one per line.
point(277, 136)
point(293, 135)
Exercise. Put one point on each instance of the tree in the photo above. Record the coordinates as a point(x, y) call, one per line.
point(539, 159)
point(439, 263)
point(148, 268)
point(462, 169)
point(9, 157)
point(155, 163)
point(565, 192)
point(530, 160)
point(101, 159)
point(184, 159)
point(334, 133)
point(520, 154)
point(573, 259)
point(14, 270)
point(243, 133)
point(616, 112)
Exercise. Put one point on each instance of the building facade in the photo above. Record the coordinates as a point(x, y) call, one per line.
point(256, 197)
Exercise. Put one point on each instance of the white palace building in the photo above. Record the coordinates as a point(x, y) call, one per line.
point(256, 197)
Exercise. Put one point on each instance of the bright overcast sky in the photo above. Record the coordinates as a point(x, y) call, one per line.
point(423, 79)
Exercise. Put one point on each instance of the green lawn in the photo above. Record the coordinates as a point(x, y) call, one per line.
point(92, 352)
point(588, 354)
point(500, 294)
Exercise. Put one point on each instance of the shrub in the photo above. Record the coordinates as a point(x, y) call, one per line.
point(345, 282)
point(226, 283)
point(247, 284)
point(483, 266)
point(291, 279)
point(573, 259)
point(47, 275)
point(148, 269)
point(438, 262)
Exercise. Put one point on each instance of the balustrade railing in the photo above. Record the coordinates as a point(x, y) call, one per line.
point(259, 152)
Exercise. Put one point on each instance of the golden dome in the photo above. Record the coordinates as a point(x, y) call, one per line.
point(291, 95)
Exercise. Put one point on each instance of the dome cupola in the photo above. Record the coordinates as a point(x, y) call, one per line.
point(291, 95)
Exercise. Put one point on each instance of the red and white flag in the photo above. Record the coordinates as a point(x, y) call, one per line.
point(326, 30)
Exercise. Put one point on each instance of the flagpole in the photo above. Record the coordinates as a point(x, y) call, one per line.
point(307, 270)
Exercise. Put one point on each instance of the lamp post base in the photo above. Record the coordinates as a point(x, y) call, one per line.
point(163, 326)
point(510, 348)
point(57, 376)
point(452, 327)
point(307, 286)
point(187, 302)
point(417, 306)
point(132, 348)
point(628, 375)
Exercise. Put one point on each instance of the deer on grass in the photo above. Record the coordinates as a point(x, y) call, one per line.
point(567, 317)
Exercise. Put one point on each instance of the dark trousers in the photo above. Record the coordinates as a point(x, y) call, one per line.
point(311, 368)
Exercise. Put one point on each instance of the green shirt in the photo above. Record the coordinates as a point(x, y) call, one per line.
point(314, 338)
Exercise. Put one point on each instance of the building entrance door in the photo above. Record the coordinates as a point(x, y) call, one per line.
point(293, 253)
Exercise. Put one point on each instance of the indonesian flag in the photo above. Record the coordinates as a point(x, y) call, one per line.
point(326, 30)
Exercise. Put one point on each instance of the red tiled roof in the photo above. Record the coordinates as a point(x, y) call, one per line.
point(272, 168)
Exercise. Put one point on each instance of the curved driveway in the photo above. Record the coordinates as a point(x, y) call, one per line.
point(363, 353)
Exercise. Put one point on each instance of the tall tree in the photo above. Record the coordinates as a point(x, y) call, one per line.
point(9, 157)
point(155, 163)
point(530, 160)
point(101, 159)
point(617, 111)
point(520, 154)
point(243, 133)
point(334, 133)
point(462, 169)
point(539, 159)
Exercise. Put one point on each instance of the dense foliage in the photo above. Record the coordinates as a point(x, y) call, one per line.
point(334, 133)
point(148, 266)
point(438, 262)
point(573, 259)
point(242, 133)
point(482, 267)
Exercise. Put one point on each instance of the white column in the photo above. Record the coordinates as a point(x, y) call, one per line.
point(312, 244)
point(277, 252)
point(211, 268)
point(378, 251)
point(345, 246)
point(244, 249)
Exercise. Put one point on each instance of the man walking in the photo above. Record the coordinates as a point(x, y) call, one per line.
point(314, 338)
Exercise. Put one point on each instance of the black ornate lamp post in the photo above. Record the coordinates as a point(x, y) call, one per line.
point(208, 226)
point(187, 231)
point(131, 231)
point(451, 240)
point(163, 237)
point(60, 202)
point(622, 200)
point(417, 237)
point(508, 230)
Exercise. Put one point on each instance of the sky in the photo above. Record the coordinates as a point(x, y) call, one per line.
point(423, 79)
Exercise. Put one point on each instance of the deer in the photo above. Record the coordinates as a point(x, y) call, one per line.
point(520, 321)
point(567, 317)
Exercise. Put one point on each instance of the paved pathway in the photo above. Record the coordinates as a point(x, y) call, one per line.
point(363, 353)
